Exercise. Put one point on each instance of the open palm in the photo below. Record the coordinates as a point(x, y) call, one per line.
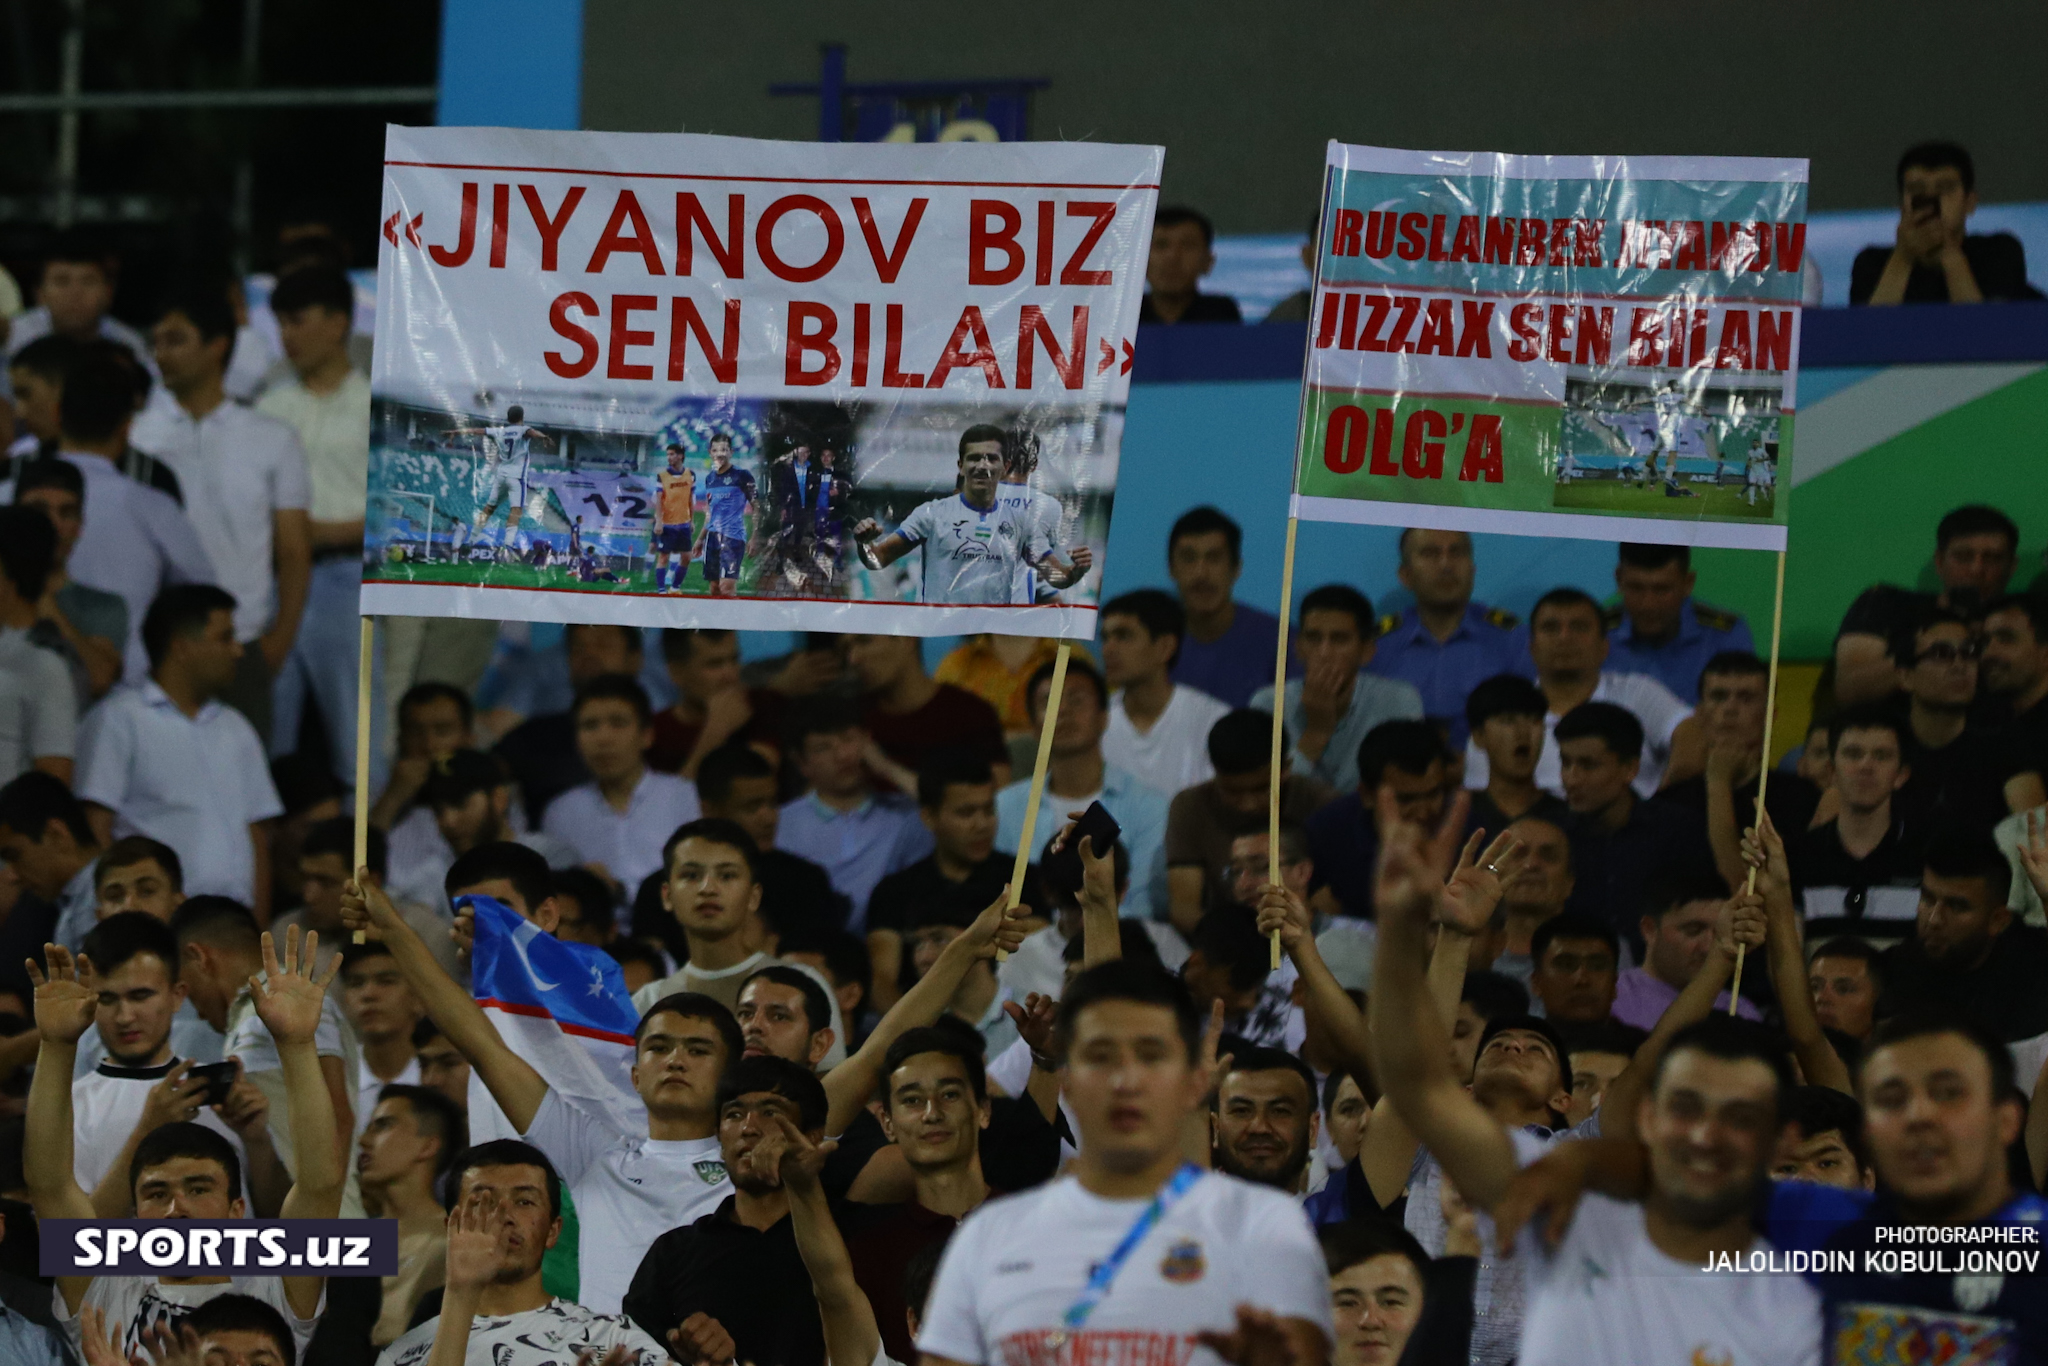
point(66, 999)
point(287, 997)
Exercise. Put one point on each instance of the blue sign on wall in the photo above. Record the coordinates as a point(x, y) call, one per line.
point(915, 111)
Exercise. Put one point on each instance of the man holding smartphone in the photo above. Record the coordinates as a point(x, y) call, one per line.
point(1933, 259)
point(142, 1085)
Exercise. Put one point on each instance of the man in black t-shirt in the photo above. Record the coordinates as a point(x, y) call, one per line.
point(1183, 251)
point(2013, 674)
point(1721, 802)
point(1860, 872)
point(1959, 774)
point(1967, 952)
point(1975, 551)
point(956, 800)
point(1933, 261)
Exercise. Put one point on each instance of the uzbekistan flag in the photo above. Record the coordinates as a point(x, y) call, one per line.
point(562, 1007)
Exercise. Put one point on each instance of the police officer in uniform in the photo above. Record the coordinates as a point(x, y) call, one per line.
point(1445, 644)
point(1658, 629)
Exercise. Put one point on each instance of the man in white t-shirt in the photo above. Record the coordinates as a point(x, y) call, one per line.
point(1157, 729)
point(632, 1187)
point(326, 401)
point(1212, 1268)
point(182, 1171)
point(495, 1311)
point(1568, 642)
point(141, 1084)
point(246, 491)
point(1625, 1286)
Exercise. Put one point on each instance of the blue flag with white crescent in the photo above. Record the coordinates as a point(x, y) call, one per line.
point(562, 1007)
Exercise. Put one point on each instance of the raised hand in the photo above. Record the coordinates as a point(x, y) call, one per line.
point(1406, 886)
point(286, 995)
point(1259, 1339)
point(701, 1338)
point(1212, 1039)
point(1742, 923)
point(1763, 850)
point(2034, 854)
point(1283, 913)
point(365, 907)
point(168, 1344)
point(473, 1245)
point(100, 1348)
point(996, 928)
point(66, 1000)
point(1474, 888)
point(1450, 833)
point(1035, 1021)
point(798, 1160)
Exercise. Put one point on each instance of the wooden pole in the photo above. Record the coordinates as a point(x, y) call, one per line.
point(1279, 722)
point(1763, 776)
point(1038, 767)
point(363, 672)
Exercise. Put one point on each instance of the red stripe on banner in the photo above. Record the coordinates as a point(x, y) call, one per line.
point(1436, 393)
point(771, 179)
point(669, 597)
point(536, 1013)
point(1700, 300)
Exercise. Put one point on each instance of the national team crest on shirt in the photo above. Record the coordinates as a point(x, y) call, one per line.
point(710, 1173)
point(1183, 1263)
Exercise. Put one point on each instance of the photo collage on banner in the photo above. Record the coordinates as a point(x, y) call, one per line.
point(1602, 348)
point(679, 380)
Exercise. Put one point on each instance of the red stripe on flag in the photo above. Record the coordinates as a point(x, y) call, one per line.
point(536, 1012)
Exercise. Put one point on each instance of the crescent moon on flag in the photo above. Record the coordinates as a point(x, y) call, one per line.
point(525, 932)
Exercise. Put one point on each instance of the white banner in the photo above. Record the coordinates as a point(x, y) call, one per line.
point(677, 380)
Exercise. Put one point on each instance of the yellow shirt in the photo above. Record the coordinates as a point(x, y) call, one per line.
point(677, 493)
point(976, 667)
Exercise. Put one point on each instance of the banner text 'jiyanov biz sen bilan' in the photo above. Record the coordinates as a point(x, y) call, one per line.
point(679, 380)
point(1593, 347)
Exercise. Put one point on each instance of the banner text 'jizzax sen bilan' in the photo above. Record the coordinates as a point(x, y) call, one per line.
point(1593, 347)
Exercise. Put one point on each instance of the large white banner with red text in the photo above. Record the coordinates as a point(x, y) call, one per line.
point(679, 380)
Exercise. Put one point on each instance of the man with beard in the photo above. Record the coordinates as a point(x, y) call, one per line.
point(142, 1084)
point(1263, 1119)
point(496, 1312)
point(1621, 1291)
point(1968, 952)
point(739, 1266)
point(1477, 1139)
point(1940, 1114)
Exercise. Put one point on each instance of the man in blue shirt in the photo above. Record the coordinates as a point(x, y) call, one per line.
point(1445, 644)
point(1229, 646)
point(857, 835)
point(728, 493)
point(1658, 629)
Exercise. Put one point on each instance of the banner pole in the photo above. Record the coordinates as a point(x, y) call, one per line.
point(1279, 723)
point(1038, 767)
point(363, 672)
point(1763, 774)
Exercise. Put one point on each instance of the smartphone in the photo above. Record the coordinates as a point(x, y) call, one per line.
point(1062, 870)
point(220, 1079)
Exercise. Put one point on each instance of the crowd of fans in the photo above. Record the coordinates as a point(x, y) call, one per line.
point(1521, 865)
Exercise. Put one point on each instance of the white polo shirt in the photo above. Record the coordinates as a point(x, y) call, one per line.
point(627, 843)
point(133, 543)
point(239, 469)
point(195, 782)
point(38, 709)
point(106, 1105)
point(334, 429)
